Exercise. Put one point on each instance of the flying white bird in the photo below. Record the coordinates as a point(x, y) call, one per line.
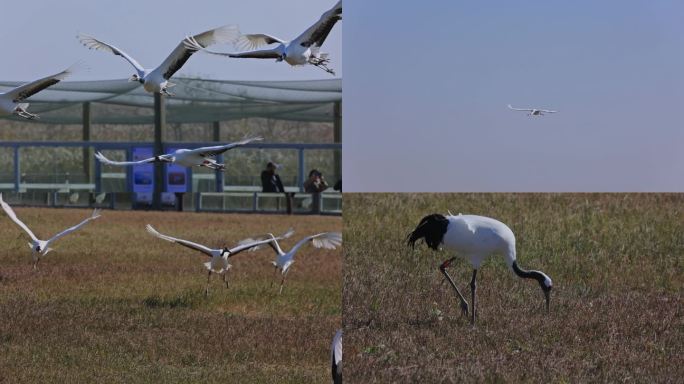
point(201, 157)
point(305, 49)
point(40, 248)
point(157, 80)
point(11, 101)
point(336, 357)
point(218, 262)
point(284, 260)
point(532, 111)
point(474, 238)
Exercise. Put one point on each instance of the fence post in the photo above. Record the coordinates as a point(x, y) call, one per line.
point(87, 151)
point(159, 131)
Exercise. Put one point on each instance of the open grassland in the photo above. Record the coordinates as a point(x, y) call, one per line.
point(617, 262)
point(114, 304)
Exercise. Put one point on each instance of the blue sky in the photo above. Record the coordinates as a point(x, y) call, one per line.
point(427, 84)
point(41, 34)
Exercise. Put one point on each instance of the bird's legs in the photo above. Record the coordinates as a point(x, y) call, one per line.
point(26, 115)
point(206, 291)
point(282, 282)
point(442, 268)
point(473, 288)
point(322, 64)
point(35, 263)
point(224, 278)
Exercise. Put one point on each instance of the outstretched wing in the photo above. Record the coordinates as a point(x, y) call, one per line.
point(316, 34)
point(520, 109)
point(245, 245)
point(189, 244)
point(95, 215)
point(183, 51)
point(219, 149)
point(273, 243)
point(10, 212)
point(93, 43)
point(273, 53)
point(327, 240)
point(547, 111)
point(253, 41)
point(27, 90)
point(105, 160)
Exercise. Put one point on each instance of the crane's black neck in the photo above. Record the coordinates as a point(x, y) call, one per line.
point(431, 228)
point(540, 277)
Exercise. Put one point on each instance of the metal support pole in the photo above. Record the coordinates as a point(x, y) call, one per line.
point(87, 151)
point(300, 170)
point(218, 176)
point(159, 133)
point(17, 171)
point(337, 133)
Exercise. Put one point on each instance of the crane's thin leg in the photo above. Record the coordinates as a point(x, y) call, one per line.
point(206, 292)
point(224, 278)
point(473, 288)
point(442, 268)
point(282, 282)
point(35, 264)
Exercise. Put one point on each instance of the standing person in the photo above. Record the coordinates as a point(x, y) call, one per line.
point(270, 180)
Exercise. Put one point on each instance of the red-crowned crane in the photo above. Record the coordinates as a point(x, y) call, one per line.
point(303, 50)
point(474, 238)
point(40, 248)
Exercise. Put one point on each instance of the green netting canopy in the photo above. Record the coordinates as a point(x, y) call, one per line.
point(195, 101)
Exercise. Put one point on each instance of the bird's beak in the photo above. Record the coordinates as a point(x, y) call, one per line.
point(547, 295)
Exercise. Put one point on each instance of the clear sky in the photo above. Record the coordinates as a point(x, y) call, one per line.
point(427, 84)
point(39, 36)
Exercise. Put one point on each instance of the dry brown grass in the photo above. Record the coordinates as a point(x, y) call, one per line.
point(617, 308)
point(114, 304)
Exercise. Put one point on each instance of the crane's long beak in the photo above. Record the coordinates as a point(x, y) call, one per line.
point(547, 295)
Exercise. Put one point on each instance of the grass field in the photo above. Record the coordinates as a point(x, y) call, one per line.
point(114, 304)
point(617, 262)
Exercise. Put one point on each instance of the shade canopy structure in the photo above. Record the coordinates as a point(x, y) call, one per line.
point(195, 101)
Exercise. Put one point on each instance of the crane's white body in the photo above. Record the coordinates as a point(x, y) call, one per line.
point(532, 111)
point(200, 157)
point(303, 50)
point(157, 79)
point(40, 248)
point(477, 237)
point(11, 102)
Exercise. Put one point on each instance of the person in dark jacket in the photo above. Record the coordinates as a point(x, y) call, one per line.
point(270, 181)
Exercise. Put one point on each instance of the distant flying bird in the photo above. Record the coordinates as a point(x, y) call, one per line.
point(532, 111)
point(474, 238)
point(336, 357)
point(40, 248)
point(284, 260)
point(218, 262)
point(157, 80)
point(201, 157)
point(305, 49)
point(11, 101)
